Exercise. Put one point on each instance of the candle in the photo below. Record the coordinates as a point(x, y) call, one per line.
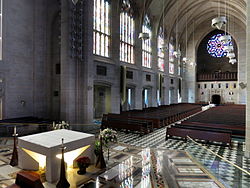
point(15, 130)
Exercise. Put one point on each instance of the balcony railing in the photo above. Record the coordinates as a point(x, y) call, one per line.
point(222, 76)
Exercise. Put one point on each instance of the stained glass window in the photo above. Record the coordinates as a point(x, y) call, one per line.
point(127, 30)
point(146, 44)
point(101, 27)
point(171, 52)
point(215, 47)
point(160, 50)
point(171, 68)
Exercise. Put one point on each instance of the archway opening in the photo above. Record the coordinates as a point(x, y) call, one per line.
point(216, 99)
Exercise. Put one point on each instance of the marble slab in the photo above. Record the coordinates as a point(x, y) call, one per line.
point(190, 170)
point(54, 138)
point(119, 148)
point(195, 184)
point(111, 173)
point(182, 160)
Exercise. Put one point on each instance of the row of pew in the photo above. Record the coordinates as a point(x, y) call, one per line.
point(218, 124)
point(146, 120)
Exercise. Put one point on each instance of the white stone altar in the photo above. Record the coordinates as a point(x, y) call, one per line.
point(43, 149)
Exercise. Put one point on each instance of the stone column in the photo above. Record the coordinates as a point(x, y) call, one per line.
point(76, 73)
point(138, 62)
point(166, 77)
point(247, 139)
point(68, 71)
point(242, 65)
point(189, 89)
point(86, 87)
point(154, 64)
point(115, 55)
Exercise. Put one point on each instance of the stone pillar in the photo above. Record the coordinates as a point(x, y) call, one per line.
point(39, 60)
point(154, 65)
point(138, 61)
point(76, 73)
point(242, 65)
point(115, 54)
point(247, 139)
point(86, 77)
point(189, 86)
point(166, 77)
point(68, 71)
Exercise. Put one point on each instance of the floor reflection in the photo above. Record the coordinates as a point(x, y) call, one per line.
point(135, 167)
point(131, 166)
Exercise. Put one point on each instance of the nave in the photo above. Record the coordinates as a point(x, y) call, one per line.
point(129, 146)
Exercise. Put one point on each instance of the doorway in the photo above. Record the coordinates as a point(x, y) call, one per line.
point(130, 98)
point(216, 99)
point(146, 98)
point(171, 96)
point(102, 100)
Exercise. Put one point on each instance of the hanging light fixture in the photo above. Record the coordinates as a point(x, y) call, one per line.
point(225, 38)
point(164, 48)
point(192, 64)
point(177, 53)
point(219, 21)
point(229, 48)
point(232, 61)
point(143, 35)
point(74, 2)
point(185, 59)
point(231, 55)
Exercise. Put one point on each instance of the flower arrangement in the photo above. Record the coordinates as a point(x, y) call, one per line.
point(83, 161)
point(61, 125)
point(108, 135)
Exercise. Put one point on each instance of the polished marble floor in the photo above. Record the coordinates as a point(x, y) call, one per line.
point(131, 144)
point(226, 172)
point(129, 166)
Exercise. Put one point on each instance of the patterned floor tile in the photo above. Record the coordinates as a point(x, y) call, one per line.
point(229, 173)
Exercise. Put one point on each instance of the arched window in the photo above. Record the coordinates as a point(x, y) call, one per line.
point(171, 52)
point(127, 30)
point(146, 44)
point(101, 28)
point(160, 42)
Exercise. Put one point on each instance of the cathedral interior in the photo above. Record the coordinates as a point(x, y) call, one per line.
point(124, 93)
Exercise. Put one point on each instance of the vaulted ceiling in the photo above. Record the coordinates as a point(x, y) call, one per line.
point(188, 13)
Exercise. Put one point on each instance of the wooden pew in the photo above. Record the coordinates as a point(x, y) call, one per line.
point(141, 120)
point(141, 126)
point(156, 122)
point(201, 134)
